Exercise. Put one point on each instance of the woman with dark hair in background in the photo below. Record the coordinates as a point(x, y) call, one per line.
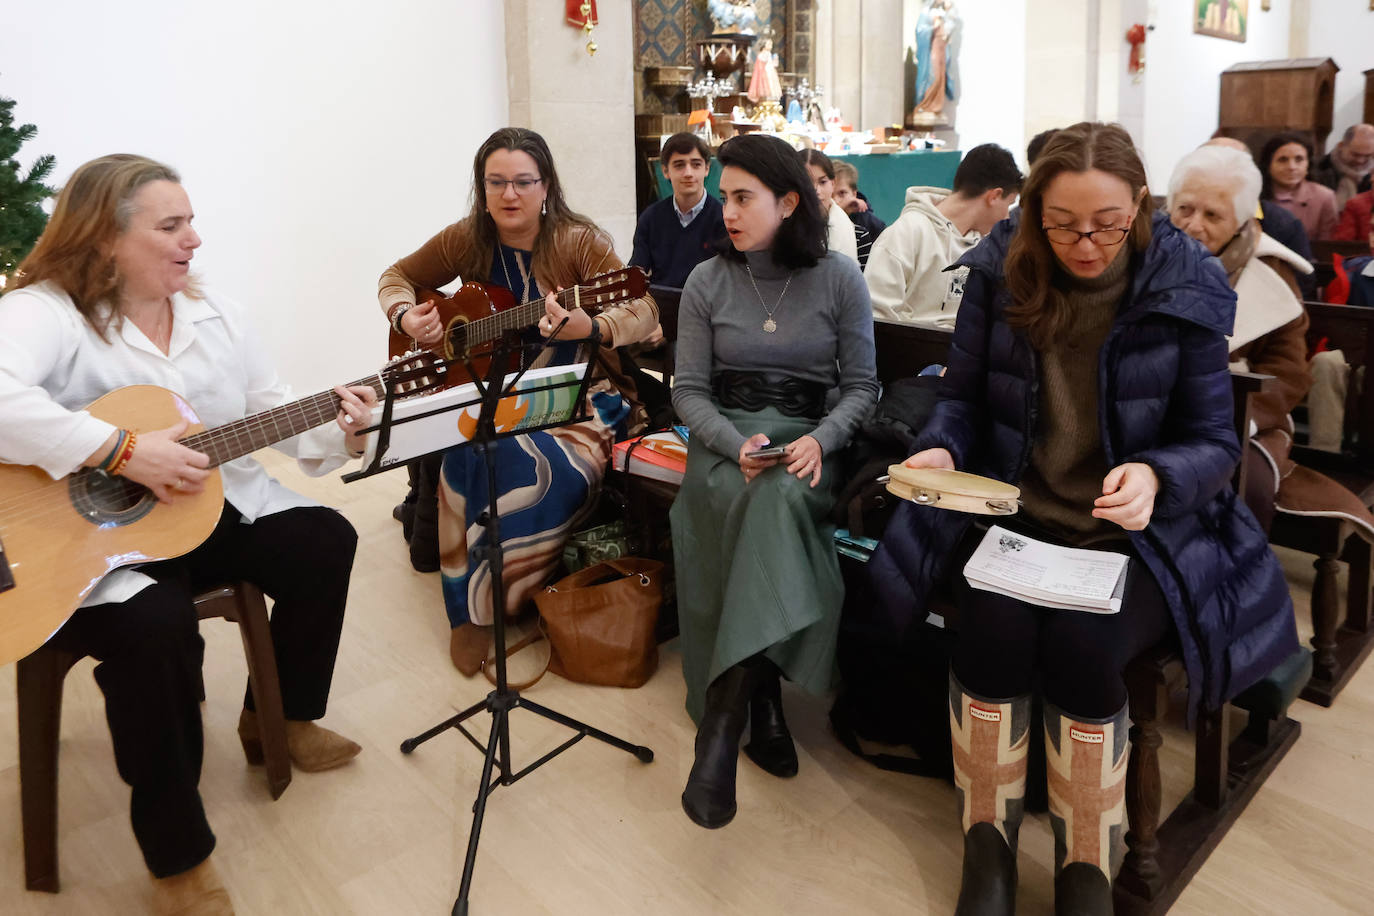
point(520, 234)
point(1089, 367)
point(766, 330)
point(840, 236)
point(1284, 162)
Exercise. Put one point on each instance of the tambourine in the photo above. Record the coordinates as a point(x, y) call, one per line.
point(953, 490)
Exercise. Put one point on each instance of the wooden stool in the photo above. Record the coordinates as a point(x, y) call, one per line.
point(40, 677)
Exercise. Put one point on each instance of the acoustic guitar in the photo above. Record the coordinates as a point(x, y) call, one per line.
point(59, 538)
point(476, 316)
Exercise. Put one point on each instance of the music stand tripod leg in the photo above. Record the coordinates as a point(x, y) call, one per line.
point(500, 723)
point(644, 754)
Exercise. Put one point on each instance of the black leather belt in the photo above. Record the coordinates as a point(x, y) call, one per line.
point(756, 390)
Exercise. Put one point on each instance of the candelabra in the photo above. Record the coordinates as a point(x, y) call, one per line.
point(710, 89)
point(808, 99)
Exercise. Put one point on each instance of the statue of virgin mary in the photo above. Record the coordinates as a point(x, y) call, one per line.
point(937, 36)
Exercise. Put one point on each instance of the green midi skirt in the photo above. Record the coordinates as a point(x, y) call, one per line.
point(755, 564)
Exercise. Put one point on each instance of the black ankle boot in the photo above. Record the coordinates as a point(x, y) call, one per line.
point(1081, 889)
point(988, 886)
point(709, 798)
point(770, 743)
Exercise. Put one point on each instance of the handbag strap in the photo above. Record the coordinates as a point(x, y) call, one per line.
point(590, 574)
point(529, 639)
point(620, 566)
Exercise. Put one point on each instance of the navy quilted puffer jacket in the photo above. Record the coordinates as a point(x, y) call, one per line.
point(1165, 401)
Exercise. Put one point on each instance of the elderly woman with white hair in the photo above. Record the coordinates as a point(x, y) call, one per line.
point(1213, 195)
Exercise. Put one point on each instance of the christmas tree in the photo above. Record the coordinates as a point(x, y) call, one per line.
point(21, 213)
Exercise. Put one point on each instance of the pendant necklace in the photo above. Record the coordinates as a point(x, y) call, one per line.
point(769, 325)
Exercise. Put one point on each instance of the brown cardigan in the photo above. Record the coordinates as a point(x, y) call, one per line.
point(578, 255)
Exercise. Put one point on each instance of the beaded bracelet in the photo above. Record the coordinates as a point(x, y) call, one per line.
point(397, 314)
point(105, 462)
point(125, 453)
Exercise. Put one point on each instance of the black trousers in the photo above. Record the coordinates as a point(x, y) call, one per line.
point(149, 650)
point(1006, 647)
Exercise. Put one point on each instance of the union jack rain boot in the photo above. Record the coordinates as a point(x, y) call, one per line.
point(989, 739)
point(1085, 760)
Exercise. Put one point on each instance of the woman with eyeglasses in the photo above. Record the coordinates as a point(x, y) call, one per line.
point(1088, 367)
point(521, 235)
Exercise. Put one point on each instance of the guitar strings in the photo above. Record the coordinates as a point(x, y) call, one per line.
point(323, 405)
point(515, 318)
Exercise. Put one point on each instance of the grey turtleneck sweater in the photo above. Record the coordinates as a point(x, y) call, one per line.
point(824, 334)
point(1067, 460)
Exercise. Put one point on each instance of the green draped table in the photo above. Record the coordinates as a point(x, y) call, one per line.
point(883, 177)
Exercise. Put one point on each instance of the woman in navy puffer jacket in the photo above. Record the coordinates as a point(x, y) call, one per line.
point(1089, 367)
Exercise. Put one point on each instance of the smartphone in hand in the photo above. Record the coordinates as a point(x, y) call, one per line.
point(771, 451)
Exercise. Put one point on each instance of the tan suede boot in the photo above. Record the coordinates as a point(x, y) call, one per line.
point(468, 646)
point(311, 747)
point(195, 892)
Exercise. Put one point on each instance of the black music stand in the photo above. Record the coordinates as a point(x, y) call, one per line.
point(503, 699)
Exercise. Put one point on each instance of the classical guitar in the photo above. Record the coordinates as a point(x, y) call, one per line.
point(476, 315)
point(59, 538)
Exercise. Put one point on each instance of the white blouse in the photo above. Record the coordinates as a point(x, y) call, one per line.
point(53, 363)
point(841, 237)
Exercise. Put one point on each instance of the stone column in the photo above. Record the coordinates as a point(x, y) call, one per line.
point(582, 105)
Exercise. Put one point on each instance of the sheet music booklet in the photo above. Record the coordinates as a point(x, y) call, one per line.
point(433, 422)
point(1069, 578)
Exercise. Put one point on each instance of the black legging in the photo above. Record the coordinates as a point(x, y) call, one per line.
point(1079, 656)
point(150, 652)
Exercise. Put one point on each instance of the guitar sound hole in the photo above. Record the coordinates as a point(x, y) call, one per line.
point(105, 500)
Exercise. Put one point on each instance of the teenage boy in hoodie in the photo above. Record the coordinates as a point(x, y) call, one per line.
point(906, 273)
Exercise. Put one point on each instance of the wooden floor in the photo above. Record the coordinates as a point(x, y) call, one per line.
point(596, 831)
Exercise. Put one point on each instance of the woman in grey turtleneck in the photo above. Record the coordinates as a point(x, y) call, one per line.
point(766, 330)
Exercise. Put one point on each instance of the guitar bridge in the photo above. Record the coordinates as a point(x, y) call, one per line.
point(6, 575)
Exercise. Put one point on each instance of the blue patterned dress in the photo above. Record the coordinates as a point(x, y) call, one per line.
point(545, 482)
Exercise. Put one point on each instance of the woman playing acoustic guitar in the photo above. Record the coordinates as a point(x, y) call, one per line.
point(520, 235)
point(106, 300)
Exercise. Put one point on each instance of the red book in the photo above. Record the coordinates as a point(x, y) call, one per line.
point(658, 456)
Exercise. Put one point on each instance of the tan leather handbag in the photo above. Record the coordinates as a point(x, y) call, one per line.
point(600, 622)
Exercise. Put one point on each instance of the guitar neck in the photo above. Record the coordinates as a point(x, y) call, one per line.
point(242, 437)
point(528, 313)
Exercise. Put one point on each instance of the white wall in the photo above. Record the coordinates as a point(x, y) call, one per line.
point(1342, 30)
point(1182, 76)
point(992, 61)
point(582, 105)
point(319, 140)
point(1061, 64)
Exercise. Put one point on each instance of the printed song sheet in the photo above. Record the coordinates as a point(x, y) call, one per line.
point(1070, 578)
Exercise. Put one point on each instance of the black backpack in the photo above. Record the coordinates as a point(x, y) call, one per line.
point(894, 689)
point(864, 506)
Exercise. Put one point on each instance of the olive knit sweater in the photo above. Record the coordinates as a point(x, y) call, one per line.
point(1067, 460)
